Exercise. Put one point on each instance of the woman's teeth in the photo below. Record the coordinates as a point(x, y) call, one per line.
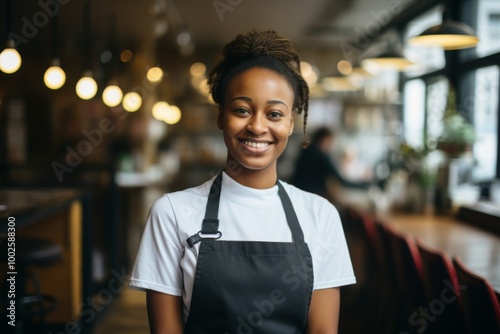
point(254, 144)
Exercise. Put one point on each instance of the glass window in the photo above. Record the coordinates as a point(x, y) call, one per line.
point(437, 95)
point(485, 104)
point(414, 112)
point(427, 59)
point(488, 27)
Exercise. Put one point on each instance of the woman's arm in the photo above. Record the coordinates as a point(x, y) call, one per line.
point(164, 313)
point(324, 312)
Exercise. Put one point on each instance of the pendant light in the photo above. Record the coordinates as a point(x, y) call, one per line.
point(86, 87)
point(450, 35)
point(132, 101)
point(10, 59)
point(338, 82)
point(54, 76)
point(112, 95)
point(170, 114)
point(155, 74)
point(391, 59)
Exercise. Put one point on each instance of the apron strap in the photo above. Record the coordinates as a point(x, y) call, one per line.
point(291, 216)
point(211, 222)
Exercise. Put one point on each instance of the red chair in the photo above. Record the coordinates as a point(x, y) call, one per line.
point(441, 285)
point(358, 299)
point(408, 270)
point(479, 301)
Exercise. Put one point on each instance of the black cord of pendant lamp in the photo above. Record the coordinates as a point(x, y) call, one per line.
point(8, 18)
point(87, 45)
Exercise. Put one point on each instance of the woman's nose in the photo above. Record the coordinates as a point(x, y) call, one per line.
point(257, 124)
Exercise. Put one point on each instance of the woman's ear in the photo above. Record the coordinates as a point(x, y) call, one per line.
point(292, 123)
point(219, 119)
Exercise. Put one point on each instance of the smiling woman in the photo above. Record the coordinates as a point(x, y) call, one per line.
point(245, 252)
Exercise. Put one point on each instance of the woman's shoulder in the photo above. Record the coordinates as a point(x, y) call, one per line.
point(310, 201)
point(191, 197)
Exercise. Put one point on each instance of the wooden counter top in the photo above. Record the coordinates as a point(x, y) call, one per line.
point(28, 204)
point(478, 248)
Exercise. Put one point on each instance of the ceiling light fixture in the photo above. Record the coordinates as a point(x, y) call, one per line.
point(155, 74)
point(132, 101)
point(112, 95)
point(54, 77)
point(391, 59)
point(450, 35)
point(86, 87)
point(10, 59)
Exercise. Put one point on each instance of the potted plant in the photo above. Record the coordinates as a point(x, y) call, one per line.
point(458, 134)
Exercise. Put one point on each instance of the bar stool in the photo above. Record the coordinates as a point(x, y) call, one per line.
point(29, 253)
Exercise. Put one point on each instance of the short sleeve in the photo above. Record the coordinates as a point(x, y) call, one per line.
point(331, 254)
point(157, 265)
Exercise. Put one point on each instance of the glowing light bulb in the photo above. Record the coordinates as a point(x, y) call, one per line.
point(173, 115)
point(54, 77)
point(132, 101)
point(160, 110)
point(10, 59)
point(112, 96)
point(86, 87)
point(197, 69)
point(155, 74)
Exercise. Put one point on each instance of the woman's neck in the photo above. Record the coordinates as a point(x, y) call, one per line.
point(258, 179)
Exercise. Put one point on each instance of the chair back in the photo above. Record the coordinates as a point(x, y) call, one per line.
point(442, 288)
point(480, 304)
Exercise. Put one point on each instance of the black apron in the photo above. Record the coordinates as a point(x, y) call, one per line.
point(244, 287)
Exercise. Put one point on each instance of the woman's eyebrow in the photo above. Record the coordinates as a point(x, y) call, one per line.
point(247, 99)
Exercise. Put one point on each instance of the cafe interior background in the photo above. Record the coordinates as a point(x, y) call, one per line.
point(105, 104)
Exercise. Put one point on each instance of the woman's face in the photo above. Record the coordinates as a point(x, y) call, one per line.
point(257, 118)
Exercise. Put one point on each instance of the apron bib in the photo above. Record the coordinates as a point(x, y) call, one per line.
point(244, 287)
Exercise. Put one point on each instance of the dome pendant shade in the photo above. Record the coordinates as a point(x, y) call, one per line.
point(388, 60)
point(451, 35)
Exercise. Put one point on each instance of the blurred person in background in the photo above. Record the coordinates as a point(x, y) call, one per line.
point(315, 170)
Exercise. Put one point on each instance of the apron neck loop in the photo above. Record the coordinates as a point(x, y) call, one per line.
point(211, 222)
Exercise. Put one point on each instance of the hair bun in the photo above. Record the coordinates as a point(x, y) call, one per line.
point(260, 43)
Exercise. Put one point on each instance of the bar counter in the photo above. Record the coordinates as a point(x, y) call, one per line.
point(58, 215)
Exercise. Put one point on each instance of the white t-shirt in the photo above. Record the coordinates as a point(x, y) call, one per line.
point(165, 262)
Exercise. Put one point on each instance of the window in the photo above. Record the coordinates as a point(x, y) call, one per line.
point(485, 117)
point(488, 27)
point(437, 97)
point(414, 112)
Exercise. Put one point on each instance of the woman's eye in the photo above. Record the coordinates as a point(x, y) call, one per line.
point(275, 114)
point(241, 111)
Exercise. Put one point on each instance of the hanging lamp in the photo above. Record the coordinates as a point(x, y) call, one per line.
point(10, 59)
point(86, 87)
point(391, 59)
point(54, 76)
point(450, 35)
point(112, 95)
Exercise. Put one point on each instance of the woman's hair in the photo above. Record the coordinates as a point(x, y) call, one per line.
point(265, 49)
